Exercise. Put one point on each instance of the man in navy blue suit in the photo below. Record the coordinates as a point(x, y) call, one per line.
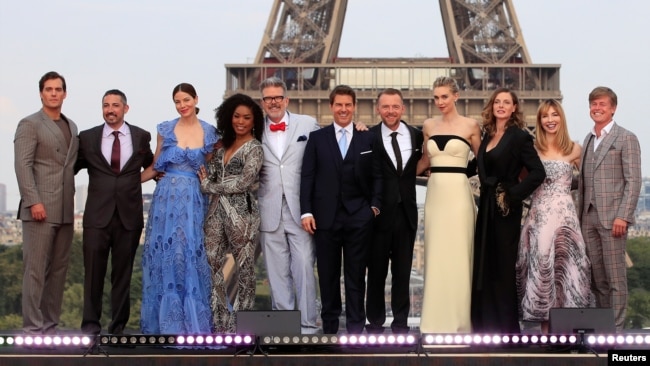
point(340, 195)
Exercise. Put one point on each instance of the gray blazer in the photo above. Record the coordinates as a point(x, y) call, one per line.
point(282, 176)
point(45, 167)
point(617, 176)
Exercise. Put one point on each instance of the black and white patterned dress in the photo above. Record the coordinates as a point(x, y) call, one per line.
point(231, 226)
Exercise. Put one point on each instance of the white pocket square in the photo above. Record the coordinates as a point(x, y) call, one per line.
point(365, 152)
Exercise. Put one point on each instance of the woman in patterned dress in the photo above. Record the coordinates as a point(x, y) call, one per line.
point(233, 219)
point(552, 266)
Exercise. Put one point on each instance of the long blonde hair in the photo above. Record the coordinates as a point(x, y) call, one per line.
point(562, 141)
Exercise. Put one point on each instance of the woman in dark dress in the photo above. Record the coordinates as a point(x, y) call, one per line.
point(506, 149)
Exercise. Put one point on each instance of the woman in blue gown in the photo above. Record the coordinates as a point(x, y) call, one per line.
point(176, 277)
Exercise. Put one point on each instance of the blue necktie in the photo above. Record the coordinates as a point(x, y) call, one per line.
point(343, 143)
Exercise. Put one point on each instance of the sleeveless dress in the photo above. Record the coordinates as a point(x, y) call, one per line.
point(552, 265)
point(176, 277)
point(449, 219)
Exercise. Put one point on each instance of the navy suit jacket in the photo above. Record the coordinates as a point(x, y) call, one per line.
point(320, 185)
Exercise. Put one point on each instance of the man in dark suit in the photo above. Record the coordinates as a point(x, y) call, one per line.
point(400, 151)
point(45, 149)
point(340, 195)
point(114, 153)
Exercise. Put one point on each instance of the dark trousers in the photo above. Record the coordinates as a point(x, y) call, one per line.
point(396, 246)
point(350, 234)
point(97, 244)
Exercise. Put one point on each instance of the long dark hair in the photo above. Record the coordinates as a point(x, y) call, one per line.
point(225, 112)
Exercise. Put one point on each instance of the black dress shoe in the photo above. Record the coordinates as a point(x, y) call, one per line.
point(400, 330)
point(374, 329)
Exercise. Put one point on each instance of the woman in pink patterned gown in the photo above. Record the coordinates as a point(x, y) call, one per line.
point(552, 265)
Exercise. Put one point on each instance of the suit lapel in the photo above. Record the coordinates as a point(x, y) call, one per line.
point(384, 153)
point(330, 137)
point(290, 134)
point(587, 144)
point(56, 131)
point(604, 145)
point(480, 159)
point(96, 146)
point(74, 142)
point(269, 147)
point(414, 148)
point(136, 137)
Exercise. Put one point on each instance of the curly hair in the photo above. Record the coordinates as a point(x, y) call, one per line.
point(490, 121)
point(224, 114)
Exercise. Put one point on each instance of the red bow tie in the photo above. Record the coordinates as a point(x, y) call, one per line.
point(277, 126)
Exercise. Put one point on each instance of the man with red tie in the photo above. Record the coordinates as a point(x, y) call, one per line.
point(288, 249)
point(115, 153)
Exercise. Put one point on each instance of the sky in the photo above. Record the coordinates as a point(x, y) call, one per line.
point(146, 47)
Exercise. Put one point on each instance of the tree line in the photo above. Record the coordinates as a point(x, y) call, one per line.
point(638, 314)
point(11, 279)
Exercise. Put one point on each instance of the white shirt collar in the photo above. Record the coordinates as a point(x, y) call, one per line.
point(401, 129)
point(606, 130)
point(349, 128)
point(284, 119)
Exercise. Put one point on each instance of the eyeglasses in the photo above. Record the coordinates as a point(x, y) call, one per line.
point(277, 99)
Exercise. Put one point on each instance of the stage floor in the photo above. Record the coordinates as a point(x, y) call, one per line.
point(301, 356)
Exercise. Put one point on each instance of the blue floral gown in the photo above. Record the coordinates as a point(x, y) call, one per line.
point(176, 277)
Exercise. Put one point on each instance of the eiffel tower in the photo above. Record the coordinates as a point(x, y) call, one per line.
point(486, 51)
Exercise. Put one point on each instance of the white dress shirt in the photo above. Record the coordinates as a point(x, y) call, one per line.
point(403, 139)
point(278, 139)
point(603, 132)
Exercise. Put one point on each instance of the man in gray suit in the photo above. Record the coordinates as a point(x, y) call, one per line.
point(114, 153)
point(609, 188)
point(288, 249)
point(45, 150)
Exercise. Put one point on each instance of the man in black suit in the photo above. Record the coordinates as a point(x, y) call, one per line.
point(400, 151)
point(115, 153)
point(340, 195)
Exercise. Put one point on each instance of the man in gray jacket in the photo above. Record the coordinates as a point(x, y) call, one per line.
point(288, 249)
point(45, 150)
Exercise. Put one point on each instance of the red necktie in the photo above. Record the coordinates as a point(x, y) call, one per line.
point(115, 153)
point(277, 126)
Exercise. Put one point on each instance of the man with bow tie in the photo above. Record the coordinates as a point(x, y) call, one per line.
point(288, 249)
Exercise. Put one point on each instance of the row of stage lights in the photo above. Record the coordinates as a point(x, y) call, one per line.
point(592, 340)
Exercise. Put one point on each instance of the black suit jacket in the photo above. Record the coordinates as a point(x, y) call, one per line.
point(320, 185)
point(517, 152)
point(398, 187)
point(107, 190)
